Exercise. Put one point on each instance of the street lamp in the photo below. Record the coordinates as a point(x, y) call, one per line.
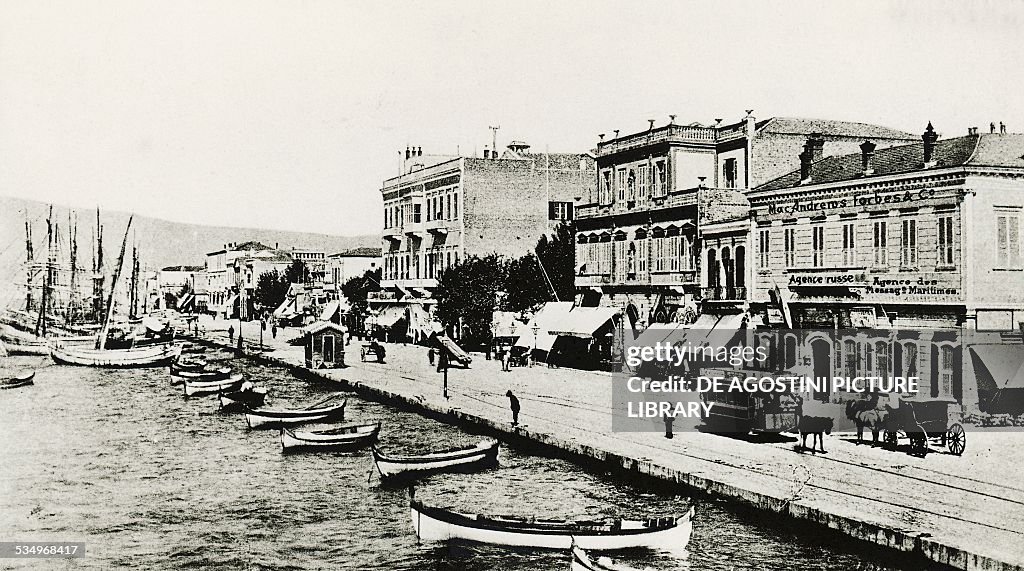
point(536, 330)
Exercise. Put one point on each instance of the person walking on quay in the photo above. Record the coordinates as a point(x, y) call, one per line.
point(430, 356)
point(513, 403)
point(231, 333)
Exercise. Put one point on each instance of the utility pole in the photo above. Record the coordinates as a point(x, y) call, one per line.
point(494, 140)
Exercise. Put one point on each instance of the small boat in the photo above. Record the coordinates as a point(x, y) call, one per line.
point(188, 363)
point(152, 356)
point(19, 380)
point(483, 454)
point(439, 524)
point(214, 375)
point(582, 562)
point(201, 388)
point(344, 437)
point(327, 409)
point(241, 401)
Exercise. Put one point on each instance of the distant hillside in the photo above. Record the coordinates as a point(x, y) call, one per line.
point(161, 243)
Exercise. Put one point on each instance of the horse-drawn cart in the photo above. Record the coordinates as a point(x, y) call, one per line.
point(924, 422)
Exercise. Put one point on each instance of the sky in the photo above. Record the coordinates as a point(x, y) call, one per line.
point(289, 115)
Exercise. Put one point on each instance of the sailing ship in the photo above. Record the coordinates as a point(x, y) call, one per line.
point(100, 355)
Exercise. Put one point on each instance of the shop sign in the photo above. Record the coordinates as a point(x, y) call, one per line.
point(896, 199)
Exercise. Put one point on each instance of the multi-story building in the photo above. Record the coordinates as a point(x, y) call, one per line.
point(441, 211)
point(346, 265)
point(904, 261)
point(222, 284)
point(641, 240)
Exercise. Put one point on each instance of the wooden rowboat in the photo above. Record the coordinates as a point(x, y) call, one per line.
point(344, 437)
point(19, 380)
point(327, 409)
point(581, 561)
point(438, 524)
point(201, 388)
point(214, 375)
point(152, 356)
point(400, 467)
point(241, 401)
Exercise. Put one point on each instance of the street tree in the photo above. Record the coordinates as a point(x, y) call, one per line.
point(466, 294)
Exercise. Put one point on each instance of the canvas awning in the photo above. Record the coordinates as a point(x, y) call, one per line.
point(330, 310)
point(583, 321)
point(389, 316)
point(1000, 363)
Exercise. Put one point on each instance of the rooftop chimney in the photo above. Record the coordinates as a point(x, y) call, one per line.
point(867, 151)
point(805, 166)
point(815, 146)
point(929, 137)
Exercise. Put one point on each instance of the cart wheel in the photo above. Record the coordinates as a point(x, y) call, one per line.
point(890, 438)
point(956, 439)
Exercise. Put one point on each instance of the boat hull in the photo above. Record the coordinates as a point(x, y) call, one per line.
point(432, 524)
point(241, 401)
point(270, 418)
point(295, 441)
point(22, 380)
point(401, 467)
point(114, 358)
point(203, 388)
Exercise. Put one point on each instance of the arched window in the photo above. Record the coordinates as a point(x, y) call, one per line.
point(741, 266)
point(882, 358)
point(712, 268)
point(851, 355)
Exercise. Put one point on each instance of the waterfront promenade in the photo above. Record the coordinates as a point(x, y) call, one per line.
point(967, 512)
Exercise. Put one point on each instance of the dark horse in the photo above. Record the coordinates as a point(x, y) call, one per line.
point(865, 412)
point(816, 426)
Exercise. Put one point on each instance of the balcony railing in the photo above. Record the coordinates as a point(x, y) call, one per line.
point(722, 293)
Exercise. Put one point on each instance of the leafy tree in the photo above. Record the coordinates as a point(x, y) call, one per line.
point(297, 273)
point(356, 289)
point(271, 289)
point(468, 291)
point(527, 287)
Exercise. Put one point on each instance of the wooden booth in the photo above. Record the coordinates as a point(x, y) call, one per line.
point(325, 345)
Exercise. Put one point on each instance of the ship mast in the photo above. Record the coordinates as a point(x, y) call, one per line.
point(102, 339)
point(47, 277)
point(29, 258)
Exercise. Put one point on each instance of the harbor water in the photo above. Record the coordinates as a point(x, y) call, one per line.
point(148, 479)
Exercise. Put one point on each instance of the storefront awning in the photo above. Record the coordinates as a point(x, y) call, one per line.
point(583, 321)
point(330, 310)
point(389, 316)
point(1000, 363)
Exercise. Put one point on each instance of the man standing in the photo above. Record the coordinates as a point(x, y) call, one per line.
point(513, 403)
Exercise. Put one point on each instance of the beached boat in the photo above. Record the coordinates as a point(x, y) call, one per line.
point(439, 524)
point(203, 388)
point(343, 437)
point(408, 466)
point(581, 561)
point(155, 356)
point(243, 400)
point(19, 380)
point(332, 408)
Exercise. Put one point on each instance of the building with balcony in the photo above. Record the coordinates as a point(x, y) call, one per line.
point(442, 209)
point(666, 225)
point(904, 261)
